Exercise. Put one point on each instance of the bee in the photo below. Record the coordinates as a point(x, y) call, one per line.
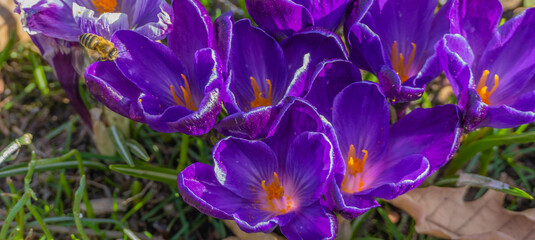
point(103, 47)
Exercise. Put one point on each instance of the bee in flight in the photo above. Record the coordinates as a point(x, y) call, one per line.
point(103, 47)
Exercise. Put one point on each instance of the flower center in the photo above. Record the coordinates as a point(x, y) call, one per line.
point(398, 62)
point(277, 201)
point(482, 88)
point(104, 6)
point(353, 179)
point(186, 95)
point(260, 98)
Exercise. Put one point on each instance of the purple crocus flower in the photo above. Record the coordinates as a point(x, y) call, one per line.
point(491, 69)
point(262, 73)
point(55, 26)
point(381, 160)
point(262, 184)
point(394, 39)
point(172, 89)
point(68, 19)
point(282, 18)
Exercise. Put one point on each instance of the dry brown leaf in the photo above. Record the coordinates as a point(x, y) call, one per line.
point(10, 22)
point(510, 4)
point(442, 212)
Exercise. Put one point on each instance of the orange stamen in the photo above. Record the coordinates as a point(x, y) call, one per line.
point(355, 166)
point(259, 99)
point(186, 94)
point(482, 88)
point(398, 62)
point(104, 6)
point(273, 190)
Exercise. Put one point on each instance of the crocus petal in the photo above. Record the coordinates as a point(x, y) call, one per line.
point(308, 167)
point(104, 24)
point(295, 118)
point(192, 30)
point(456, 57)
point(361, 117)
point(433, 133)
point(150, 65)
point(251, 219)
point(366, 49)
point(200, 188)
point(303, 52)
point(332, 77)
point(109, 86)
point(474, 110)
point(477, 21)
point(312, 222)
point(207, 82)
point(153, 68)
point(506, 117)
point(329, 13)
point(62, 56)
point(403, 21)
point(241, 166)
point(350, 205)
point(398, 176)
point(254, 54)
point(393, 89)
point(153, 19)
point(254, 124)
point(356, 12)
point(223, 35)
point(508, 56)
point(280, 18)
point(52, 18)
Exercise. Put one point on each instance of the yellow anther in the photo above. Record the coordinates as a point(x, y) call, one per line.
point(398, 62)
point(482, 88)
point(104, 6)
point(273, 190)
point(353, 179)
point(259, 99)
point(186, 94)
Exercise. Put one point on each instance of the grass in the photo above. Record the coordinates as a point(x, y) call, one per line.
point(50, 181)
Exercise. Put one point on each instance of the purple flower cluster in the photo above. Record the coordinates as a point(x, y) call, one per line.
point(305, 137)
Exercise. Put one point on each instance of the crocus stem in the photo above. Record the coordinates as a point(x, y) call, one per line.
point(183, 152)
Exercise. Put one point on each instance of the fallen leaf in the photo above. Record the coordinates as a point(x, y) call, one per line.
point(442, 212)
point(510, 4)
point(10, 22)
point(100, 134)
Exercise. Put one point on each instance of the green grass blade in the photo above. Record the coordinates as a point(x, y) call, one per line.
point(120, 144)
point(21, 170)
point(164, 175)
point(11, 148)
point(76, 208)
point(12, 213)
point(468, 152)
point(137, 149)
point(474, 180)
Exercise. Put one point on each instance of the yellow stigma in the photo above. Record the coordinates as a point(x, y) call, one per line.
point(398, 62)
point(260, 100)
point(104, 6)
point(355, 166)
point(273, 190)
point(482, 88)
point(186, 94)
